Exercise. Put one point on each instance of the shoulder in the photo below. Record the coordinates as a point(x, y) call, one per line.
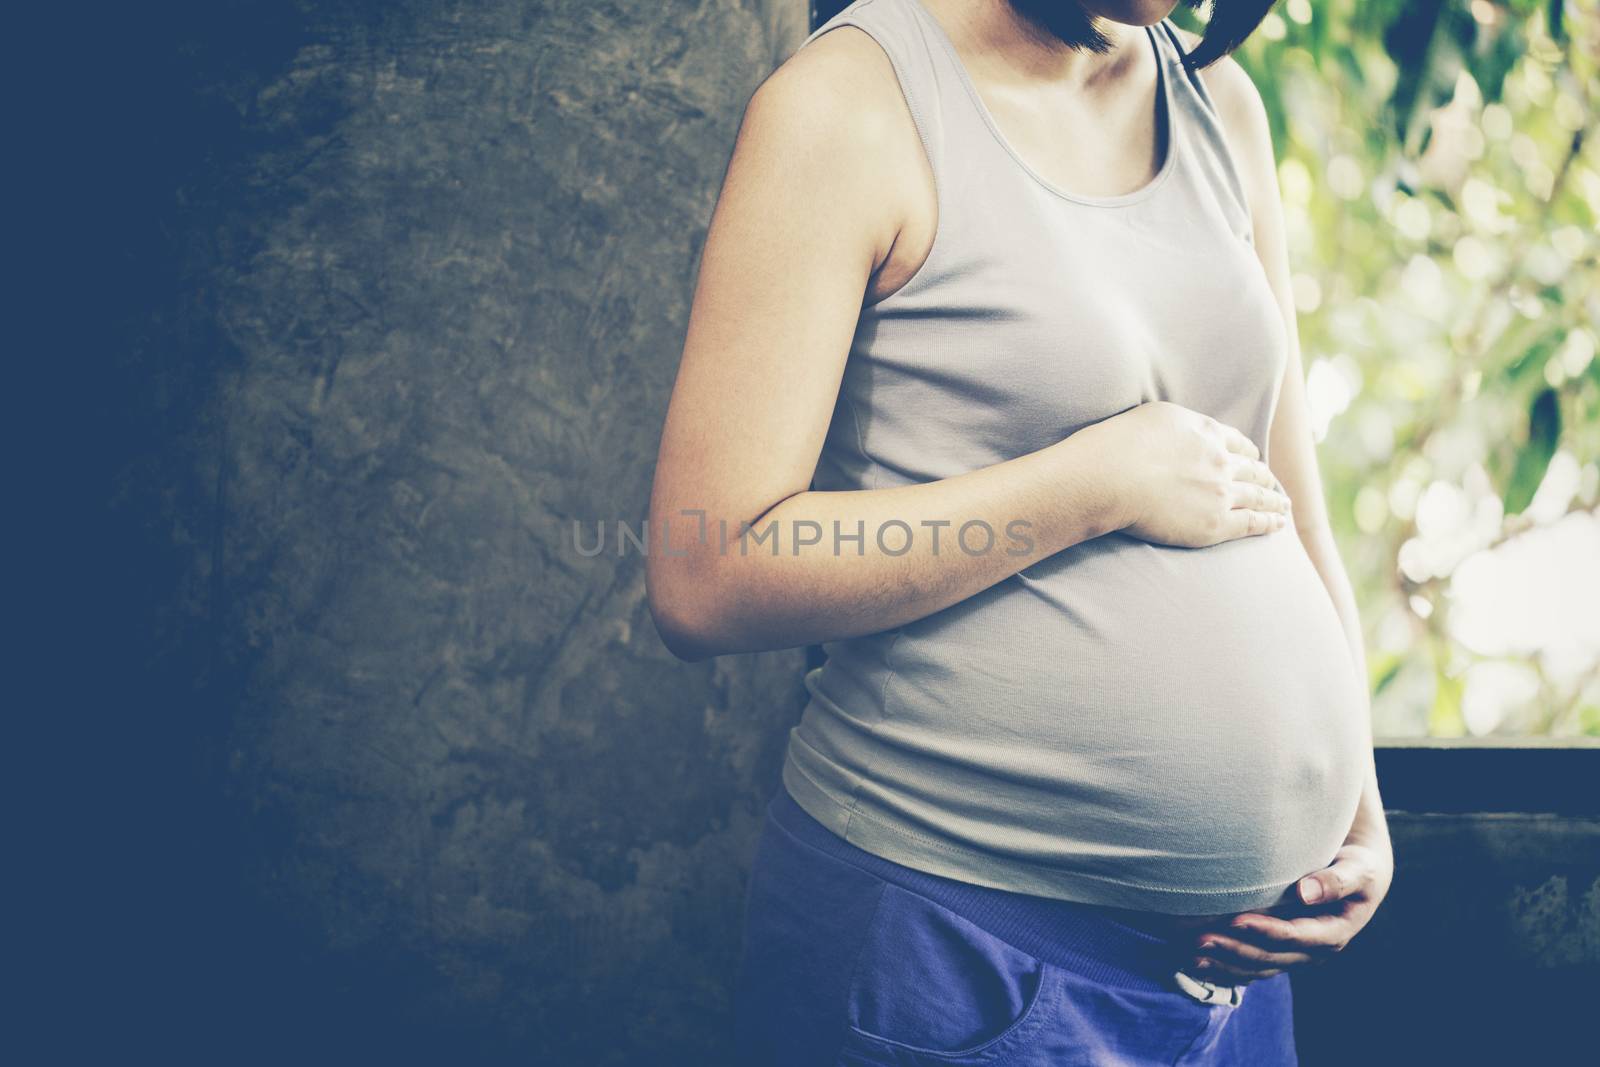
point(840, 88)
point(827, 134)
point(1243, 114)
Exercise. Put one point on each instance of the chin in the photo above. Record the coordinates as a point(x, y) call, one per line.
point(1132, 11)
point(1077, 23)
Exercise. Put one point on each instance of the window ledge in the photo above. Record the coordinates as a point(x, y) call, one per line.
point(1559, 776)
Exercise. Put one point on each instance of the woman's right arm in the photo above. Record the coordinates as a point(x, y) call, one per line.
point(811, 205)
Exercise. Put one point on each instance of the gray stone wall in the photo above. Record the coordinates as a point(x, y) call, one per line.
point(401, 295)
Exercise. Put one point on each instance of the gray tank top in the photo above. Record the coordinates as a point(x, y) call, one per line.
point(1135, 725)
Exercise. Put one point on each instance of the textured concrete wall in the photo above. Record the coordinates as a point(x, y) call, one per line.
point(402, 291)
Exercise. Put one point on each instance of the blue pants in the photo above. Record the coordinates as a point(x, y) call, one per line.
point(852, 960)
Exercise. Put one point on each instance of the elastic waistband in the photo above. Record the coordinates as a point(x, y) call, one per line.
point(1081, 938)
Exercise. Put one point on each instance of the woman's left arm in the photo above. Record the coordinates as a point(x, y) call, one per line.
point(1348, 891)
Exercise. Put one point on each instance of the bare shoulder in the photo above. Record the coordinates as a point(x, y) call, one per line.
point(840, 87)
point(833, 120)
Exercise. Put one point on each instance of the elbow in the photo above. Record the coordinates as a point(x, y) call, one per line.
point(682, 637)
point(685, 620)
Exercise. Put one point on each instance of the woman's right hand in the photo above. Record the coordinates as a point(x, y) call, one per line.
point(1183, 478)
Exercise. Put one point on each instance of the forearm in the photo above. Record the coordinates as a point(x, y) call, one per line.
point(900, 556)
point(1369, 825)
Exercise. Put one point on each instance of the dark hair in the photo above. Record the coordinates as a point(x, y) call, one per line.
point(1231, 22)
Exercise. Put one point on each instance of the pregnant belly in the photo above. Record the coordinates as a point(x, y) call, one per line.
point(1188, 718)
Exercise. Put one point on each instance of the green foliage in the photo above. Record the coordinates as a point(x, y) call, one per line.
point(1533, 455)
point(1441, 192)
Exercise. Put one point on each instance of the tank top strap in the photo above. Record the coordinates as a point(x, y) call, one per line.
point(1197, 120)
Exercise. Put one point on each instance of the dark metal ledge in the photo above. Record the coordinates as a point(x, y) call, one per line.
point(1556, 776)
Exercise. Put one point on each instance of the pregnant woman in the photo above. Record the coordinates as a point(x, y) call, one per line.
point(991, 388)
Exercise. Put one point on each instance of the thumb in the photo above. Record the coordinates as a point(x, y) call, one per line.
point(1330, 883)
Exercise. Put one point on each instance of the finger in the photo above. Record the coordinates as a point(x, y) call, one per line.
point(1277, 484)
point(1312, 933)
point(1256, 477)
point(1254, 471)
point(1259, 497)
point(1243, 954)
point(1246, 522)
point(1331, 883)
point(1236, 441)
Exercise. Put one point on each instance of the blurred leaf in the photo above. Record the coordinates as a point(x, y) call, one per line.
point(1544, 430)
point(1529, 345)
point(1589, 719)
point(1384, 669)
point(1444, 719)
point(1492, 57)
point(1408, 39)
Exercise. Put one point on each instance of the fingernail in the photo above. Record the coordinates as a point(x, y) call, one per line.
point(1208, 945)
point(1311, 891)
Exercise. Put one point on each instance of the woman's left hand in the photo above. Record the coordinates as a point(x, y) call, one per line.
point(1341, 899)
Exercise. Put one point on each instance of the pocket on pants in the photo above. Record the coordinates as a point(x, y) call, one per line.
point(930, 987)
